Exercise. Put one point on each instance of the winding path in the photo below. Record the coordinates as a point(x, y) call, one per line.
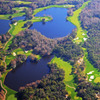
point(4, 90)
point(7, 42)
point(71, 87)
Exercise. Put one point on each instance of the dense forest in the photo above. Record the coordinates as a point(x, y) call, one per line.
point(31, 39)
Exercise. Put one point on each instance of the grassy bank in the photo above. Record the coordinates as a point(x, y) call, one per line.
point(69, 78)
point(81, 34)
point(9, 91)
point(91, 69)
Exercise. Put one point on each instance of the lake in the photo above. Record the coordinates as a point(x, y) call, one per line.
point(58, 27)
point(27, 72)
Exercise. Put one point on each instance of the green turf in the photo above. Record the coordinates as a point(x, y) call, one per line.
point(24, 2)
point(69, 79)
point(75, 20)
point(12, 97)
point(97, 79)
point(90, 67)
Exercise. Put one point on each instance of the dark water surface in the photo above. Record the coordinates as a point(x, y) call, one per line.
point(4, 26)
point(19, 18)
point(27, 72)
point(58, 27)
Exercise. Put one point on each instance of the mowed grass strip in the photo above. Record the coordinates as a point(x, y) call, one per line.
point(75, 20)
point(69, 79)
point(97, 80)
point(90, 67)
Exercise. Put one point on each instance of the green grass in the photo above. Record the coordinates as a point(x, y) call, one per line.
point(13, 15)
point(9, 58)
point(12, 97)
point(16, 29)
point(75, 20)
point(19, 2)
point(69, 79)
point(97, 79)
point(24, 2)
point(90, 67)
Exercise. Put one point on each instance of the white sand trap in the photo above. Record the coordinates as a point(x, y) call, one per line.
point(14, 54)
point(92, 77)
point(90, 73)
point(15, 23)
point(84, 39)
point(26, 51)
point(76, 38)
point(83, 34)
point(90, 80)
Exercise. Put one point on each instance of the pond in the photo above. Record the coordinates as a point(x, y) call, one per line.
point(58, 27)
point(27, 72)
point(4, 24)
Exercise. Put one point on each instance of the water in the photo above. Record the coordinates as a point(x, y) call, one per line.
point(4, 24)
point(19, 18)
point(58, 27)
point(27, 72)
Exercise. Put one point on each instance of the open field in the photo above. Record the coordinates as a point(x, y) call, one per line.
point(69, 79)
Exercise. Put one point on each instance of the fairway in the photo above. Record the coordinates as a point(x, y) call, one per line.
point(69, 79)
point(75, 20)
point(91, 69)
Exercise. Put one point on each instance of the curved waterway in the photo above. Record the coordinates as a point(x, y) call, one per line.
point(58, 27)
point(27, 72)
